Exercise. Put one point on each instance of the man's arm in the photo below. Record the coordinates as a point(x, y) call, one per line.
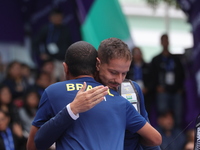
point(149, 136)
point(144, 114)
point(30, 143)
point(83, 101)
point(53, 128)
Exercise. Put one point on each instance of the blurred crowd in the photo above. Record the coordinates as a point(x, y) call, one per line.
point(20, 90)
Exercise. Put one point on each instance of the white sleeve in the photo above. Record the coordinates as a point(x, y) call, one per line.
point(71, 113)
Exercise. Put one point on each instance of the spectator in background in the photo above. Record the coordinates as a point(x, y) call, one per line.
point(49, 67)
point(168, 77)
point(7, 105)
point(28, 111)
point(139, 72)
point(2, 69)
point(11, 138)
point(27, 73)
point(42, 81)
point(16, 82)
point(52, 41)
point(169, 132)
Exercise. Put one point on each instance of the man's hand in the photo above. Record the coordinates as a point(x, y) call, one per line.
point(86, 100)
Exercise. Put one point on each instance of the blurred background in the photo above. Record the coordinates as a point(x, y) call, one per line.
point(148, 21)
point(140, 23)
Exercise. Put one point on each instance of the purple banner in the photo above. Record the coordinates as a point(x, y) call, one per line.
point(19, 17)
point(12, 25)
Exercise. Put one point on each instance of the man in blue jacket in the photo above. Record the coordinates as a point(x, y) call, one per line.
point(112, 67)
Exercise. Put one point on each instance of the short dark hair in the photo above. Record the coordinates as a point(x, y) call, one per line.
point(81, 58)
point(56, 11)
point(113, 48)
point(9, 67)
point(39, 74)
point(165, 113)
point(6, 113)
point(165, 35)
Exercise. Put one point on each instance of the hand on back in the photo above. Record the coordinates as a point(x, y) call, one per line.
point(86, 100)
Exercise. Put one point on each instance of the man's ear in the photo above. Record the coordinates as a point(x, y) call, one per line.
point(98, 63)
point(65, 66)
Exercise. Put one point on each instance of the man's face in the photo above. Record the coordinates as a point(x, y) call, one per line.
point(165, 41)
point(113, 73)
point(56, 19)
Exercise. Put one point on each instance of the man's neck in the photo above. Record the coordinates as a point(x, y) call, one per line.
point(82, 76)
point(165, 52)
point(96, 77)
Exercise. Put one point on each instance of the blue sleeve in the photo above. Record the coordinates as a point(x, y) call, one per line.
point(44, 112)
point(134, 120)
point(53, 129)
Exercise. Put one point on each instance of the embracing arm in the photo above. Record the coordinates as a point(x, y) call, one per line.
point(56, 126)
point(149, 136)
point(53, 128)
point(145, 115)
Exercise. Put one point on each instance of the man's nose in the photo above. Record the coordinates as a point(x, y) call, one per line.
point(119, 79)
